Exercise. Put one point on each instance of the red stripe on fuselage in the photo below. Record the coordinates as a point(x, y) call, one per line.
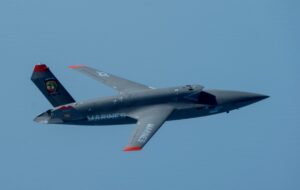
point(65, 108)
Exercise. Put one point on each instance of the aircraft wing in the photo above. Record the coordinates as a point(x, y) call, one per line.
point(150, 119)
point(118, 83)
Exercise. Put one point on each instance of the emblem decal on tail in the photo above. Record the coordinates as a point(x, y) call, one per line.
point(51, 86)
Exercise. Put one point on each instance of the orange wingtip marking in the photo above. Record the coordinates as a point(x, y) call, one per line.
point(132, 148)
point(40, 68)
point(75, 66)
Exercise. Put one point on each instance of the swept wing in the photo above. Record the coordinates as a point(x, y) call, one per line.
point(120, 84)
point(150, 119)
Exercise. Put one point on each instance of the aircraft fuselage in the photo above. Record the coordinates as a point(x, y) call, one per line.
point(189, 101)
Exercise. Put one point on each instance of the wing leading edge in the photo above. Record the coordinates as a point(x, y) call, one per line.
point(150, 119)
point(120, 84)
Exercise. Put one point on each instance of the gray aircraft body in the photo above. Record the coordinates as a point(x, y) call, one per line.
point(135, 103)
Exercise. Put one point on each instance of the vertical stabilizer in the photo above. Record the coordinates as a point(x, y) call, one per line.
point(48, 84)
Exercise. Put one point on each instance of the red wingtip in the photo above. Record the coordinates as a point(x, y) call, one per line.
point(132, 148)
point(75, 66)
point(40, 68)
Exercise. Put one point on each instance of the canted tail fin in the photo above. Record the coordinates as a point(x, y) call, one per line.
point(48, 84)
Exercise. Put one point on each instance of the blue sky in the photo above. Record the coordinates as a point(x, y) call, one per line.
point(238, 45)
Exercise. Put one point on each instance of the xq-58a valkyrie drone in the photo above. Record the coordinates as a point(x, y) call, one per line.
point(145, 106)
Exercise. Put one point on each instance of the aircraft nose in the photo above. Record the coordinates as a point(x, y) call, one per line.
point(252, 97)
point(246, 98)
point(237, 98)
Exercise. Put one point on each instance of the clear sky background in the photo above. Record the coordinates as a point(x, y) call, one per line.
point(232, 44)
